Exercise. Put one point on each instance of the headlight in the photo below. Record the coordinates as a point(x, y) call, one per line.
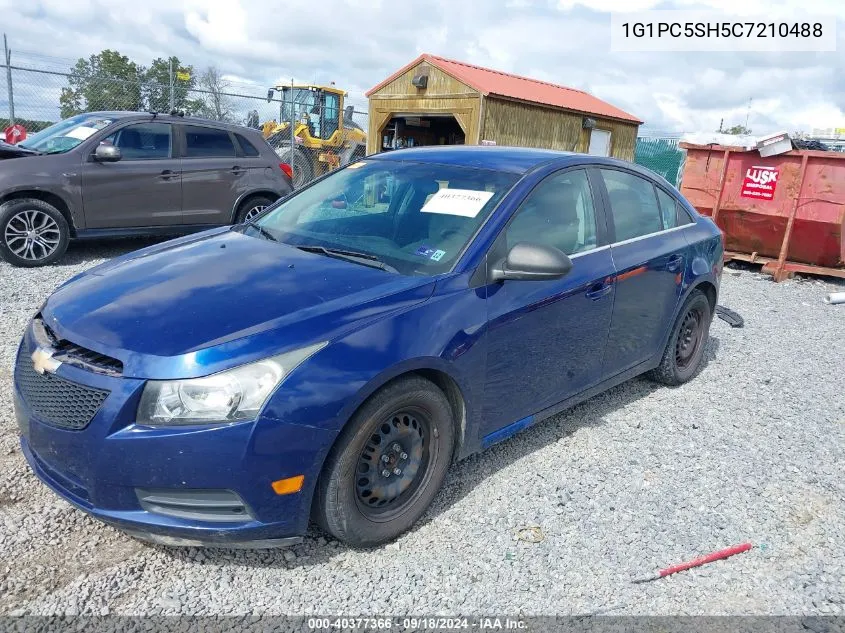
point(236, 394)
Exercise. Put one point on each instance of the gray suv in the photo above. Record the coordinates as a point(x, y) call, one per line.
point(110, 174)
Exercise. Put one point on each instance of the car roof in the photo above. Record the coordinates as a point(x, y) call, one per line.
point(161, 116)
point(518, 160)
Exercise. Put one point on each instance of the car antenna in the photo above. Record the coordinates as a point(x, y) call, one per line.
point(154, 113)
point(175, 112)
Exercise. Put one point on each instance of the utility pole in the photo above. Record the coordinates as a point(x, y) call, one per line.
point(172, 100)
point(721, 123)
point(9, 80)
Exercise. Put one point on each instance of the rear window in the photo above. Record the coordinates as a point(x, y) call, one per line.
point(247, 148)
point(206, 142)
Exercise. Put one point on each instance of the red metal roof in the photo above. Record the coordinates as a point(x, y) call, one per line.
point(488, 81)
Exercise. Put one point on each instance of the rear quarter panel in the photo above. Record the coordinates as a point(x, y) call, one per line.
point(707, 256)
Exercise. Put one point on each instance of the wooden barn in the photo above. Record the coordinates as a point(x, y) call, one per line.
point(437, 101)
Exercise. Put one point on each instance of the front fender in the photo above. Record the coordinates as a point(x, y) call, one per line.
point(442, 334)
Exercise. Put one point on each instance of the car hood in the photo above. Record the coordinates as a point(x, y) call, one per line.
point(13, 151)
point(202, 304)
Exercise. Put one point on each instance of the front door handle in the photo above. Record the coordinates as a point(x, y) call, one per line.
point(597, 291)
point(167, 174)
point(675, 263)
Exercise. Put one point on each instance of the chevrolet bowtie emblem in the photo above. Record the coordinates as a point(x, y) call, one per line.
point(43, 361)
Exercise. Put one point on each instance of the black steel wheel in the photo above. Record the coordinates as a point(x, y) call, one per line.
point(387, 465)
point(681, 359)
point(32, 233)
point(689, 337)
point(394, 465)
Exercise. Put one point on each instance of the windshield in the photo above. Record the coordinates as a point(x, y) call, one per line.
point(303, 102)
point(65, 135)
point(413, 217)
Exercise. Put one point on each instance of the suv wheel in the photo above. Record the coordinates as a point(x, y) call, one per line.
point(387, 465)
point(252, 207)
point(32, 233)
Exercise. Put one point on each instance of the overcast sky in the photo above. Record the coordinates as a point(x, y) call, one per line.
point(357, 43)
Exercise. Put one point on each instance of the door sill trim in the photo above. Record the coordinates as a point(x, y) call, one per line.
point(143, 231)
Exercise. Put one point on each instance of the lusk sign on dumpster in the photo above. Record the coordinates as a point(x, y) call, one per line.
point(760, 182)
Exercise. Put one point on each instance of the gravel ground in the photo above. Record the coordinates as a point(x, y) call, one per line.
point(628, 482)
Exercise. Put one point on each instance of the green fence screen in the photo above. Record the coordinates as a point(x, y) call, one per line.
point(661, 155)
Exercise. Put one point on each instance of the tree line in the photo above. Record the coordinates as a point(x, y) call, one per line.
point(112, 81)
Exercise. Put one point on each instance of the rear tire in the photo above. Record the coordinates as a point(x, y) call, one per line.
point(32, 233)
point(251, 207)
point(355, 501)
point(685, 348)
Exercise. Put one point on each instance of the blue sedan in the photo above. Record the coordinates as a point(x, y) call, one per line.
point(331, 358)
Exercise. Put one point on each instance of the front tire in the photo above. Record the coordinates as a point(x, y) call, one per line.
point(682, 357)
point(387, 465)
point(32, 233)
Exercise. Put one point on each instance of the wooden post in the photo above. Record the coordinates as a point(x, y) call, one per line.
point(780, 274)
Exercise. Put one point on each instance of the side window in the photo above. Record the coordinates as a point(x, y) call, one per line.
point(559, 212)
point(633, 204)
point(207, 142)
point(143, 141)
point(667, 209)
point(246, 147)
point(682, 215)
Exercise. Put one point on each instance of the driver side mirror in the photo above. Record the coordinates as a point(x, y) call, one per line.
point(532, 262)
point(107, 154)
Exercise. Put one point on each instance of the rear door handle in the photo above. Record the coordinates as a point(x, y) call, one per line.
point(238, 170)
point(167, 174)
point(597, 291)
point(675, 263)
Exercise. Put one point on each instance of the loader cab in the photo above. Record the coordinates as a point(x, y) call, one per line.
point(318, 107)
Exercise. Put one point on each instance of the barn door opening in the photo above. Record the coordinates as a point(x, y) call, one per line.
point(409, 130)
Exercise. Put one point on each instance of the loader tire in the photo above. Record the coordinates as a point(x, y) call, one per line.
point(300, 163)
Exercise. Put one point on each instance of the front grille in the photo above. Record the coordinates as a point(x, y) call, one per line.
point(57, 401)
point(73, 354)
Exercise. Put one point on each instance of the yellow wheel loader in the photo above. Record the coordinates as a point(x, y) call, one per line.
point(325, 136)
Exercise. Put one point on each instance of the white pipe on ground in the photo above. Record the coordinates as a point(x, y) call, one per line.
point(835, 297)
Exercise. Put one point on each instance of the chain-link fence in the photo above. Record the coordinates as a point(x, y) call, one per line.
point(661, 154)
point(37, 91)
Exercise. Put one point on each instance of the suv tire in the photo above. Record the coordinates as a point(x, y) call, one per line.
point(251, 207)
point(32, 233)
